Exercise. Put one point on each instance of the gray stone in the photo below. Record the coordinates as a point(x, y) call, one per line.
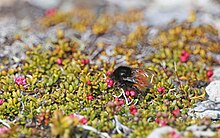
point(206, 105)
point(211, 106)
point(201, 131)
point(159, 132)
point(213, 91)
point(206, 108)
point(209, 113)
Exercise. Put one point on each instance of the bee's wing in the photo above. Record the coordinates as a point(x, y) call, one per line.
point(144, 73)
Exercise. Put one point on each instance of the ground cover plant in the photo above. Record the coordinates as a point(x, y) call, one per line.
point(65, 90)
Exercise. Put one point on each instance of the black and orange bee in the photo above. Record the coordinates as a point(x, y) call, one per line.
point(133, 78)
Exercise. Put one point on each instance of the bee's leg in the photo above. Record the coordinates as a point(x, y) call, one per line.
point(136, 101)
point(126, 100)
point(125, 97)
point(118, 95)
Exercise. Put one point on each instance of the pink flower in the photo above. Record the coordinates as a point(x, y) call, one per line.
point(3, 130)
point(59, 61)
point(127, 92)
point(210, 79)
point(133, 109)
point(218, 127)
point(174, 134)
point(176, 112)
point(109, 82)
point(128, 99)
point(85, 61)
point(121, 102)
point(209, 73)
point(83, 120)
point(50, 12)
point(116, 99)
point(183, 59)
point(132, 93)
point(109, 85)
point(72, 116)
point(108, 73)
point(184, 56)
point(160, 121)
point(21, 81)
point(161, 89)
point(157, 120)
point(88, 82)
point(89, 97)
point(1, 101)
point(163, 123)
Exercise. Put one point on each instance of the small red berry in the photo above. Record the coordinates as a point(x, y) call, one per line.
point(1, 101)
point(107, 80)
point(72, 116)
point(128, 99)
point(20, 81)
point(183, 59)
point(83, 61)
point(111, 82)
point(163, 123)
point(108, 73)
point(50, 12)
point(121, 102)
point(3, 130)
point(210, 79)
point(209, 73)
point(116, 99)
point(157, 120)
point(59, 61)
point(90, 97)
point(88, 82)
point(174, 134)
point(109, 85)
point(218, 127)
point(132, 93)
point(161, 89)
point(133, 109)
point(176, 112)
point(127, 92)
point(83, 120)
point(184, 56)
point(86, 61)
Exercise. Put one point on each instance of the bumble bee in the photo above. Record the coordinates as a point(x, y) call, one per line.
point(132, 78)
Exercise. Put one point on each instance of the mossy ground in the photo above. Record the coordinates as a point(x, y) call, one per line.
point(60, 79)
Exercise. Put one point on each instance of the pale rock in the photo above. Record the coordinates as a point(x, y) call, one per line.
point(213, 91)
point(159, 132)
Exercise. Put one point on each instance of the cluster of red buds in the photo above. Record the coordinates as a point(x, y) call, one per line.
point(85, 61)
point(109, 82)
point(184, 56)
point(81, 118)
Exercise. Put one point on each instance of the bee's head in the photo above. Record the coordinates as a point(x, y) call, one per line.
point(121, 72)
